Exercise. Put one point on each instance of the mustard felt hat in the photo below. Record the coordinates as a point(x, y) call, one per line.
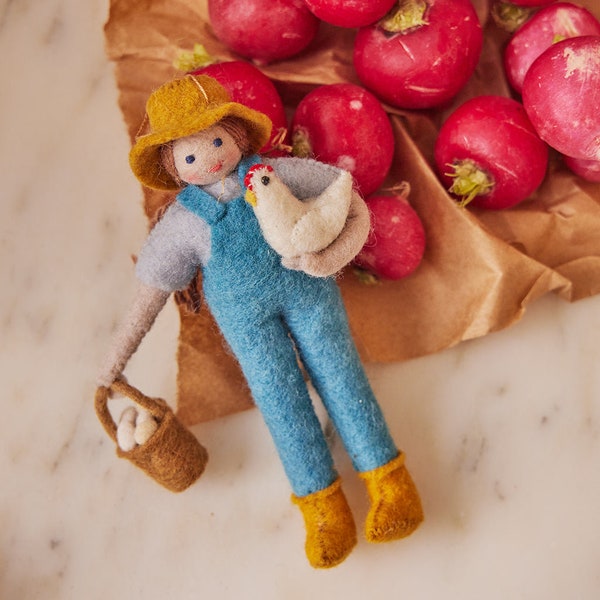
point(183, 107)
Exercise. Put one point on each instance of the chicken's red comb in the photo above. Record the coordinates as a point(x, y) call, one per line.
point(251, 172)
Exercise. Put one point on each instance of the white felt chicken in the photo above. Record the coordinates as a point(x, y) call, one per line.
point(291, 226)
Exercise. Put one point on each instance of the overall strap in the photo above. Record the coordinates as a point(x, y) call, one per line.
point(201, 203)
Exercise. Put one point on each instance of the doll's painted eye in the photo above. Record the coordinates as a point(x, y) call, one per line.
point(217, 142)
point(190, 158)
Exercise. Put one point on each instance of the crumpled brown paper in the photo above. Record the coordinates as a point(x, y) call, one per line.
point(481, 269)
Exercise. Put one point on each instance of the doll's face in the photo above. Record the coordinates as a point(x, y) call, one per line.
point(206, 157)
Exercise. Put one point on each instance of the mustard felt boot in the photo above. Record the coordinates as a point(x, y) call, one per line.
point(396, 509)
point(330, 528)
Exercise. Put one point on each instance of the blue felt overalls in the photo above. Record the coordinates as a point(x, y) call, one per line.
point(259, 304)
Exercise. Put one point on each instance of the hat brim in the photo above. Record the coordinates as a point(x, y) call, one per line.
point(145, 159)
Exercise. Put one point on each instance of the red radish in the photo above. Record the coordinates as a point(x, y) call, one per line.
point(561, 93)
point(421, 54)
point(551, 24)
point(345, 125)
point(263, 30)
point(357, 13)
point(488, 153)
point(396, 242)
point(586, 169)
point(248, 85)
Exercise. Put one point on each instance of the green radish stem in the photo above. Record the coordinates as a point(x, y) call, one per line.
point(301, 146)
point(405, 16)
point(509, 16)
point(468, 181)
point(190, 60)
point(365, 277)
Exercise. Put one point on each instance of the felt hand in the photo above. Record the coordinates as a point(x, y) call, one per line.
point(342, 250)
point(311, 263)
point(108, 375)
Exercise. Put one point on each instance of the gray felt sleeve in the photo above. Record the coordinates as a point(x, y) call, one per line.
point(176, 247)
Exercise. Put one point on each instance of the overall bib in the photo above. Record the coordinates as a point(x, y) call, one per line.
point(267, 313)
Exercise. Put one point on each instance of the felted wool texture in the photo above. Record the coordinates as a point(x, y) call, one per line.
point(329, 524)
point(242, 284)
point(347, 245)
point(328, 353)
point(182, 107)
point(270, 366)
point(292, 226)
point(396, 509)
point(148, 302)
point(208, 372)
point(174, 250)
point(306, 177)
point(172, 456)
point(179, 244)
point(257, 303)
point(209, 381)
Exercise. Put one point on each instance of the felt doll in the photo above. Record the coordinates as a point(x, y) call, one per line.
point(271, 309)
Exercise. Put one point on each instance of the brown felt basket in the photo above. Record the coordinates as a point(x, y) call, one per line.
point(172, 456)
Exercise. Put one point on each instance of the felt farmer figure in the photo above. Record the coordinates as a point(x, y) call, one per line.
point(271, 309)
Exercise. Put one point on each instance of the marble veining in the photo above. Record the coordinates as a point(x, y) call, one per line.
point(502, 433)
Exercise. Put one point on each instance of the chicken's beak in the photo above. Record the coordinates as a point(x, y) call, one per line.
point(250, 197)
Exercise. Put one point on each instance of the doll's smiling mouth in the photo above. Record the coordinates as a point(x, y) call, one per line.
point(217, 167)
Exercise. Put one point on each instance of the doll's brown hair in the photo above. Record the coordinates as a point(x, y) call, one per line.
point(232, 125)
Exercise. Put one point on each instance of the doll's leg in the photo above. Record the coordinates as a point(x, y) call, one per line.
point(329, 355)
point(269, 363)
point(327, 350)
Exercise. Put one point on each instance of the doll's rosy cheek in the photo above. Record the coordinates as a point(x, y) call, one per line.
point(188, 163)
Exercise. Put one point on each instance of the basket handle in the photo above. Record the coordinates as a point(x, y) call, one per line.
point(155, 406)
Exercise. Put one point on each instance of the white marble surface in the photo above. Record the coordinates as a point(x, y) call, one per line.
point(502, 433)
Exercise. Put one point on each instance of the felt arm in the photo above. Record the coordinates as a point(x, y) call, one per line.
point(342, 250)
point(147, 303)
